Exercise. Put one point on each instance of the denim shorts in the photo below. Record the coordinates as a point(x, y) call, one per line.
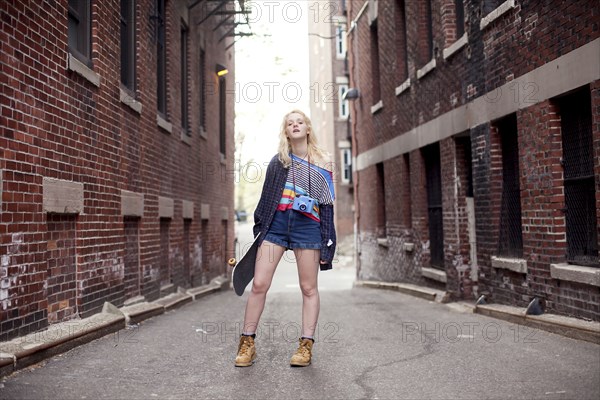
point(294, 230)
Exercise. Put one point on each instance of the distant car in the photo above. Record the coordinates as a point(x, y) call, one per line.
point(241, 215)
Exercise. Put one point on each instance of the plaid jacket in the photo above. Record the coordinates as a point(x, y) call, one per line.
point(267, 206)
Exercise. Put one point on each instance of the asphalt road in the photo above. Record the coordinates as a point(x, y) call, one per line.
point(371, 344)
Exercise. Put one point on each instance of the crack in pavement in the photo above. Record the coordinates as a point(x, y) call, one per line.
point(370, 391)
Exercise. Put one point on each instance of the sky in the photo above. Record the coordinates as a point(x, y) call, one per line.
point(271, 79)
point(271, 74)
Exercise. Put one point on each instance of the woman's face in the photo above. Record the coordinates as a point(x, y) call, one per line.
point(296, 126)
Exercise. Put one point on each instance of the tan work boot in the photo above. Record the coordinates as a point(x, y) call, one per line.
point(246, 352)
point(303, 355)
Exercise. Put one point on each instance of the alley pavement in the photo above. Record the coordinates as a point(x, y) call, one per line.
point(371, 344)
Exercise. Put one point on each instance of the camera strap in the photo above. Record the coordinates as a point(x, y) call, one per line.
point(294, 176)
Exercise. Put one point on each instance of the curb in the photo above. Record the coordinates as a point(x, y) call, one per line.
point(24, 351)
point(565, 326)
point(406, 288)
point(573, 328)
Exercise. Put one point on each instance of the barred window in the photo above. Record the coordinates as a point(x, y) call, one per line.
point(511, 233)
point(579, 179)
point(433, 173)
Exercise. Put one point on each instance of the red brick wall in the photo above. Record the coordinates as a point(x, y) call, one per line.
point(56, 124)
point(521, 40)
point(456, 238)
point(131, 259)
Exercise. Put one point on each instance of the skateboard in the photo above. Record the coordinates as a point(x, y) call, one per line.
point(243, 271)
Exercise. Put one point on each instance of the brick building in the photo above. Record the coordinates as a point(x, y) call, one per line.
point(476, 139)
point(116, 146)
point(328, 68)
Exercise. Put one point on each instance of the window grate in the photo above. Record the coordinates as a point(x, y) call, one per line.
point(579, 180)
point(511, 232)
point(434, 204)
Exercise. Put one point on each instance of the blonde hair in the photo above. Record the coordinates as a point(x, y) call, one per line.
point(317, 155)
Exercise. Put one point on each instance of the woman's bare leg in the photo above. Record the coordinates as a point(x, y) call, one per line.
point(267, 258)
point(308, 270)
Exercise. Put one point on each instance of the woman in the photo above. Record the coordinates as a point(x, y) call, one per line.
point(295, 212)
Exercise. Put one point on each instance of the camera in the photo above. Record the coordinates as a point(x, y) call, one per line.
point(303, 203)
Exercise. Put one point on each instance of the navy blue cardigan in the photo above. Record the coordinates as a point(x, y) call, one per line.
point(267, 206)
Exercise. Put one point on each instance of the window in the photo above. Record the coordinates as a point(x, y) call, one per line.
point(80, 30)
point(490, 5)
point(61, 259)
point(406, 197)
point(184, 78)
point(579, 179)
point(161, 58)
point(346, 166)
point(222, 116)
point(165, 265)
point(375, 88)
point(433, 176)
point(131, 260)
point(460, 18)
point(128, 44)
point(425, 32)
point(202, 80)
point(343, 106)
point(187, 265)
point(401, 47)
point(340, 41)
point(511, 232)
point(381, 212)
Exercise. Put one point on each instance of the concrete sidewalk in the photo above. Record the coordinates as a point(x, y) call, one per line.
point(565, 326)
point(61, 337)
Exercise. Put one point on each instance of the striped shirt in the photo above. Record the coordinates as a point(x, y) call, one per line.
point(267, 207)
point(319, 186)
